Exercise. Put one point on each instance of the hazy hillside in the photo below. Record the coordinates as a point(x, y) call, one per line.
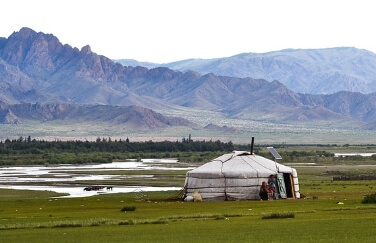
point(311, 71)
point(131, 116)
point(37, 68)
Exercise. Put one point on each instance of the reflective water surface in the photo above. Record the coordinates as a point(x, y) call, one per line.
point(62, 178)
point(353, 154)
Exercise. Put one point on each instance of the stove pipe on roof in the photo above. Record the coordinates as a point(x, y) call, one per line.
point(253, 141)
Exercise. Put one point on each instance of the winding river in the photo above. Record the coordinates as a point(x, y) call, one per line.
point(65, 178)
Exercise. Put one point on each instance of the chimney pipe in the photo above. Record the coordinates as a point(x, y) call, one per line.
point(253, 141)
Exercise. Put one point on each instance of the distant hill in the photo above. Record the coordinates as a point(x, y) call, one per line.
point(309, 71)
point(132, 116)
point(36, 70)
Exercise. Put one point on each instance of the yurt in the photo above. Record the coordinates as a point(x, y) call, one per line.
point(238, 176)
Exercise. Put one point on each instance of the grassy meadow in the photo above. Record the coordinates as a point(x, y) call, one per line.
point(331, 211)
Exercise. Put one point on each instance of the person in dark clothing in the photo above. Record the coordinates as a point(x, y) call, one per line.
point(264, 191)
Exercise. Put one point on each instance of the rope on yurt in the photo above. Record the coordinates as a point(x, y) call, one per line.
point(223, 162)
point(225, 180)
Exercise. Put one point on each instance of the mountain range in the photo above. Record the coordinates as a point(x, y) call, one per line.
point(40, 74)
point(309, 71)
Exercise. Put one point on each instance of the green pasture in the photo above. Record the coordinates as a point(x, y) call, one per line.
point(330, 212)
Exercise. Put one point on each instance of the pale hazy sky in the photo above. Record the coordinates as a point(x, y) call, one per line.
point(171, 30)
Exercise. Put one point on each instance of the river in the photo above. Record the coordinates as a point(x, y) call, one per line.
point(65, 180)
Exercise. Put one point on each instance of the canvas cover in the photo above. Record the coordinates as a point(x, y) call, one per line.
point(235, 176)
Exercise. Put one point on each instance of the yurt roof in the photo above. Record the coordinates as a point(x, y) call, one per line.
point(239, 164)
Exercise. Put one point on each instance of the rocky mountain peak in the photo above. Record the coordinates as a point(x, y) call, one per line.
point(86, 50)
point(31, 51)
point(16, 47)
point(39, 55)
point(24, 33)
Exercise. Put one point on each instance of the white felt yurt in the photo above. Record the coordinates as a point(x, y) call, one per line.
point(238, 176)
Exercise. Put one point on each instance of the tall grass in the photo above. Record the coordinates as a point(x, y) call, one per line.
point(369, 198)
point(278, 216)
point(128, 209)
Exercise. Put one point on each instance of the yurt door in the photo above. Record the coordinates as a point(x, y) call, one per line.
point(281, 185)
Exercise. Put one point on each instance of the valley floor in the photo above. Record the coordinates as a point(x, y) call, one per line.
point(264, 133)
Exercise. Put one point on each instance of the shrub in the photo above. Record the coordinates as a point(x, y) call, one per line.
point(369, 198)
point(128, 209)
point(219, 217)
point(278, 216)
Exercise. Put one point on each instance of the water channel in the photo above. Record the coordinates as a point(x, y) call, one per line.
point(64, 178)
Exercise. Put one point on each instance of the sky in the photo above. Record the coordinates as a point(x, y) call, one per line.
point(163, 31)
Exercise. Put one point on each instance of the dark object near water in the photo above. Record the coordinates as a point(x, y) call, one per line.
point(93, 188)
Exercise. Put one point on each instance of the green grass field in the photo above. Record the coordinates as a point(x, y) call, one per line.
point(337, 215)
